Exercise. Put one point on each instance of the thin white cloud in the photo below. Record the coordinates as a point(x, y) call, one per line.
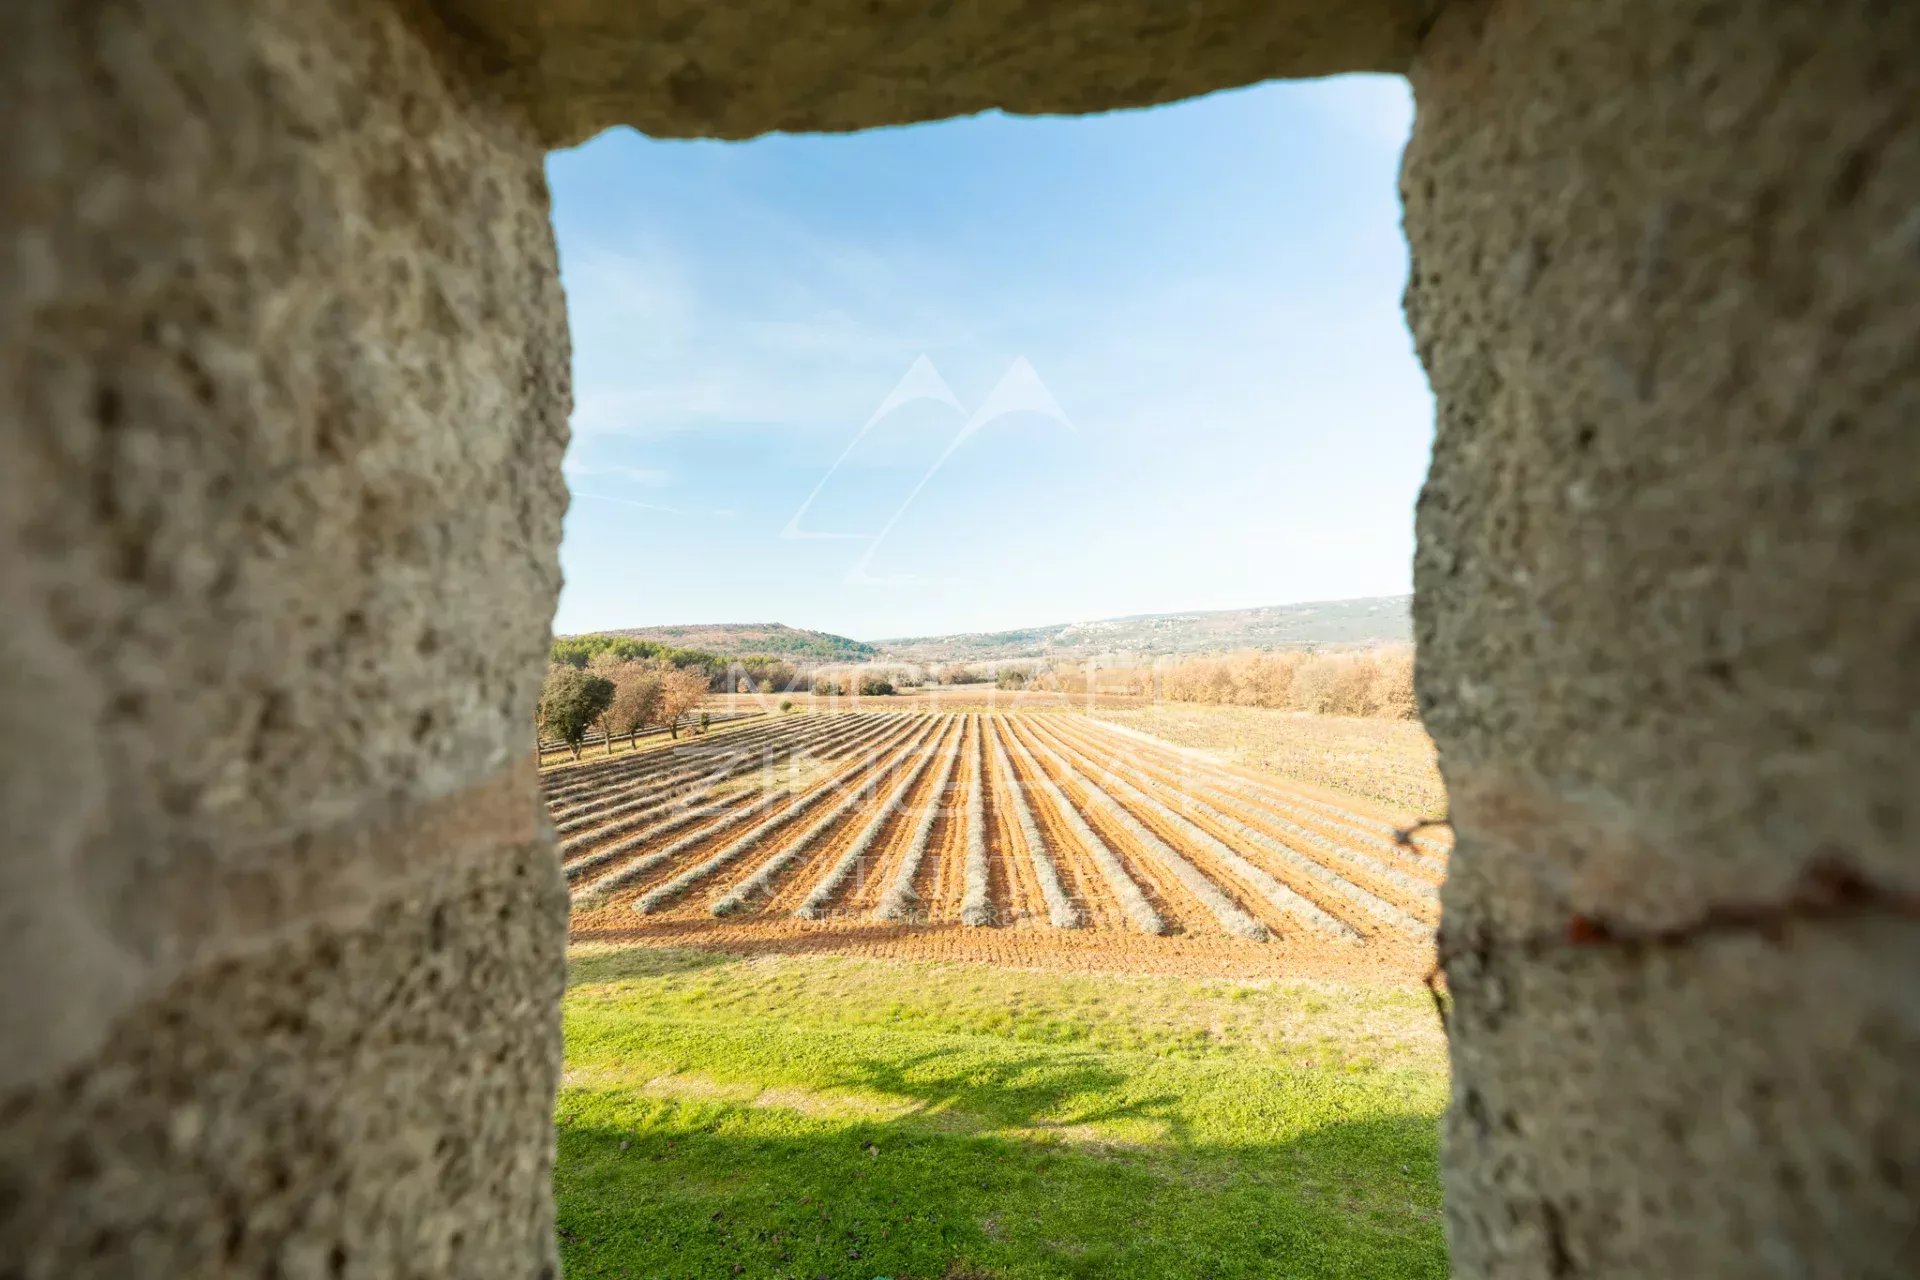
point(644, 283)
point(646, 477)
point(721, 512)
point(794, 329)
point(629, 502)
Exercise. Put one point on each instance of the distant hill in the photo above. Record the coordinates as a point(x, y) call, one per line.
point(738, 639)
point(1371, 620)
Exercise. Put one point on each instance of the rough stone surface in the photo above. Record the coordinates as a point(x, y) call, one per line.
point(689, 68)
point(285, 392)
point(1666, 257)
point(281, 412)
point(370, 1101)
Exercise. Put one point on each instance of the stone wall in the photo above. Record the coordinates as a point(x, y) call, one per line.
point(285, 392)
point(1667, 257)
point(702, 70)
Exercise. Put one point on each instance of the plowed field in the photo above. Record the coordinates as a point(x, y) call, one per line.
point(1041, 840)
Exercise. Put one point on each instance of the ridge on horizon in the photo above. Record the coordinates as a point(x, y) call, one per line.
point(1357, 620)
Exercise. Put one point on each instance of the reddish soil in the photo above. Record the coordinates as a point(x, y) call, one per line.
point(874, 754)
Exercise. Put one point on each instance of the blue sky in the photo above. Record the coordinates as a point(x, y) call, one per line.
point(993, 372)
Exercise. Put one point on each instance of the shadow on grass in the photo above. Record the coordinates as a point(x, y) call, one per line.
point(822, 1128)
point(1036, 1092)
point(673, 1189)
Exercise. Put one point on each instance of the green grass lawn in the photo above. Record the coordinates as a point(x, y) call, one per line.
point(810, 1116)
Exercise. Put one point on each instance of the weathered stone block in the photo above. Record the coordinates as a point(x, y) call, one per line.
point(1668, 607)
point(281, 416)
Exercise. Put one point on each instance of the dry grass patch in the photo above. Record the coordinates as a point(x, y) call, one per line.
point(1388, 761)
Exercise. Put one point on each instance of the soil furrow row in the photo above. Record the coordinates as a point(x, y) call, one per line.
point(585, 854)
point(1382, 892)
point(1175, 866)
point(1139, 897)
point(783, 882)
point(759, 810)
point(1037, 872)
point(761, 834)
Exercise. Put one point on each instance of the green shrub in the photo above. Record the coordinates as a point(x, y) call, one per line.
point(571, 700)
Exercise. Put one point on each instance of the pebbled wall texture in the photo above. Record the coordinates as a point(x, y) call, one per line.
point(282, 407)
point(281, 414)
point(692, 68)
point(1667, 286)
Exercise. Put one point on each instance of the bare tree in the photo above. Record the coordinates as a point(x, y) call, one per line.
point(681, 691)
point(637, 693)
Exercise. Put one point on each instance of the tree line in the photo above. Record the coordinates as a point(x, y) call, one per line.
point(1371, 682)
point(618, 697)
point(762, 673)
point(619, 686)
